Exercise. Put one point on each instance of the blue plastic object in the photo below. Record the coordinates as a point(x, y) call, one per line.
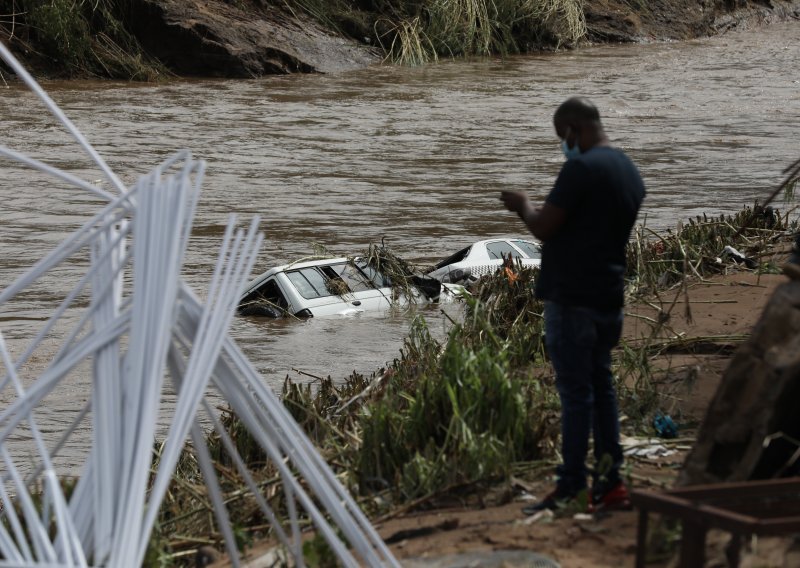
point(665, 426)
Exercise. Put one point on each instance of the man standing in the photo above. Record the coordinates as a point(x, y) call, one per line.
point(585, 224)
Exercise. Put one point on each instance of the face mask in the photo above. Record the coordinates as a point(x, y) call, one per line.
point(570, 153)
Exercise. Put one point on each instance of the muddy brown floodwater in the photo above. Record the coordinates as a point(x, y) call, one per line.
point(413, 155)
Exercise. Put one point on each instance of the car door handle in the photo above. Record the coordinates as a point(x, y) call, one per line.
point(357, 303)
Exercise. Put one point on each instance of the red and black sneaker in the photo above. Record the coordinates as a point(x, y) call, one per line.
point(614, 499)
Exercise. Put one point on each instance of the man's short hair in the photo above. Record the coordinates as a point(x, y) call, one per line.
point(577, 110)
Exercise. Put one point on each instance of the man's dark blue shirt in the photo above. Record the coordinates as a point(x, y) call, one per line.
point(583, 264)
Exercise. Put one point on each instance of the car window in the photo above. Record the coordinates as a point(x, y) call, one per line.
point(500, 248)
point(309, 282)
point(529, 248)
point(379, 279)
point(356, 280)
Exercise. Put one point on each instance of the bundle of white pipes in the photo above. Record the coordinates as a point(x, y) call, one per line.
point(144, 324)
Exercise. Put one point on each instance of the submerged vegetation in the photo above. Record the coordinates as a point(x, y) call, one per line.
point(461, 415)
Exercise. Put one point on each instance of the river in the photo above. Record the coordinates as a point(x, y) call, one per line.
point(413, 155)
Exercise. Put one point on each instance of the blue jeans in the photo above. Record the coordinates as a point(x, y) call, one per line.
point(579, 341)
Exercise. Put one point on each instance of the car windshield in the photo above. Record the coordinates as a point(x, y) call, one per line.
point(457, 257)
point(499, 248)
point(529, 248)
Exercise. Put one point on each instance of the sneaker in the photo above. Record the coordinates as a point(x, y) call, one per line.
point(553, 501)
point(616, 498)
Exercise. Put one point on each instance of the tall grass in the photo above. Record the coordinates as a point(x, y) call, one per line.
point(482, 27)
point(562, 21)
point(413, 32)
point(62, 30)
point(80, 37)
point(406, 41)
point(464, 26)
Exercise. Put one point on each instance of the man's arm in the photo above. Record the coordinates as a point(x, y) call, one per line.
point(542, 221)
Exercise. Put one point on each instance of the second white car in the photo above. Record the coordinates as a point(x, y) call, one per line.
point(485, 257)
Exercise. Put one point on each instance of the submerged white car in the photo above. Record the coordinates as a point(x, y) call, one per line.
point(335, 286)
point(485, 257)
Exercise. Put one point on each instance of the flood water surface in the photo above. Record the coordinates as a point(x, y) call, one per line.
point(414, 156)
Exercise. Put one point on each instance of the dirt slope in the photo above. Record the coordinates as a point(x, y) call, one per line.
point(652, 20)
point(215, 38)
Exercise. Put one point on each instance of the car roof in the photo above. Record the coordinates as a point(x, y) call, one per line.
point(496, 239)
point(485, 242)
point(258, 280)
point(304, 264)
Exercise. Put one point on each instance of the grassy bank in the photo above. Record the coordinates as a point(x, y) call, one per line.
point(461, 416)
point(78, 38)
point(418, 31)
